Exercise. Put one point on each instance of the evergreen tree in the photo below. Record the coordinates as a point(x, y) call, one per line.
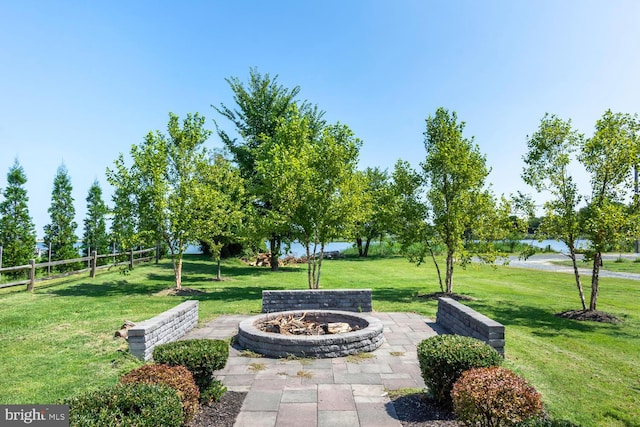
point(95, 236)
point(17, 232)
point(60, 232)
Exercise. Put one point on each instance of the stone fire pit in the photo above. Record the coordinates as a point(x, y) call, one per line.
point(367, 338)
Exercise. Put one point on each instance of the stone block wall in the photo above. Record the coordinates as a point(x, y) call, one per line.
point(165, 327)
point(358, 300)
point(462, 320)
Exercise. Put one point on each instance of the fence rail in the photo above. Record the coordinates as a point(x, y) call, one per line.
point(92, 266)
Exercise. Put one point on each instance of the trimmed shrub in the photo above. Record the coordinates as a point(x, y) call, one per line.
point(495, 396)
point(443, 358)
point(177, 377)
point(138, 405)
point(202, 357)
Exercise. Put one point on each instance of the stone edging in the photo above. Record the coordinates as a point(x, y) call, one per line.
point(462, 320)
point(357, 300)
point(165, 327)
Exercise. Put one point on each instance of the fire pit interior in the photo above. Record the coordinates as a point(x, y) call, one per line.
point(317, 333)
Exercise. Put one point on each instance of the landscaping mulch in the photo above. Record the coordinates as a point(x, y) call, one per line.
point(418, 410)
point(413, 410)
point(589, 316)
point(222, 413)
point(436, 295)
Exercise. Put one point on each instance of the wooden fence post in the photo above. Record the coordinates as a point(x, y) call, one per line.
point(131, 259)
point(94, 263)
point(32, 275)
point(157, 252)
point(0, 260)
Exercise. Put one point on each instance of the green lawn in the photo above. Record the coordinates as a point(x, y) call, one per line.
point(59, 340)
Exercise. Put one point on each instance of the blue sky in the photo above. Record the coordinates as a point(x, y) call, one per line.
point(80, 82)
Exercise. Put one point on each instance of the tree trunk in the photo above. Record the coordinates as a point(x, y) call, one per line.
point(274, 247)
point(366, 247)
point(309, 276)
point(219, 276)
point(572, 254)
point(595, 276)
point(177, 269)
point(449, 273)
point(316, 285)
point(359, 245)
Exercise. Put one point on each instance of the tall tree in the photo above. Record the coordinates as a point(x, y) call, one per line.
point(551, 150)
point(311, 176)
point(163, 185)
point(454, 171)
point(221, 215)
point(260, 105)
point(610, 157)
point(17, 232)
point(60, 232)
point(378, 209)
point(95, 237)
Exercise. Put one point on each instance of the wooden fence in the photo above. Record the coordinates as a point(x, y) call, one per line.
point(92, 262)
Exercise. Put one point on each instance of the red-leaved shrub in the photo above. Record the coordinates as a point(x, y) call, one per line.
point(494, 396)
point(177, 377)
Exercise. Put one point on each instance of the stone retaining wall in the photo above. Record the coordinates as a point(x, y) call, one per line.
point(358, 300)
point(165, 327)
point(462, 320)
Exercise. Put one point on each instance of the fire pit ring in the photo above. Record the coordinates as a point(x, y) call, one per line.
point(367, 338)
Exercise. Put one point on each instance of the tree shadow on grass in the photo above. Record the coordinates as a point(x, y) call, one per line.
point(106, 289)
point(396, 295)
point(543, 322)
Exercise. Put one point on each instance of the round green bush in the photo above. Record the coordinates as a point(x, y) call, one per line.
point(443, 358)
point(177, 377)
point(495, 396)
point(140, 405)
point(202, 357)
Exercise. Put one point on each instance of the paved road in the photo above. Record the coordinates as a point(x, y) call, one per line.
point(544, 262)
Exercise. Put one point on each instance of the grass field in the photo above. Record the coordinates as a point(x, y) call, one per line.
point(59, 341)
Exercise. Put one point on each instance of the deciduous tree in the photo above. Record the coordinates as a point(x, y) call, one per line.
point(260, 106)
point(164, 183)
point(609, 157)
point(551, 149)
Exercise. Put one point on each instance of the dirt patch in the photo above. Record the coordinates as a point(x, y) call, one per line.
point(182, 292)
point(436, 295)
point(589, 316)
point(222, 413)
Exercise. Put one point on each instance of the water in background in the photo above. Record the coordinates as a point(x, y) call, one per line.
point(296, 249)
point(555, 245)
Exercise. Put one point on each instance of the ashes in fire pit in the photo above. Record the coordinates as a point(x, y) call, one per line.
point(308, 333)
point(291, 325)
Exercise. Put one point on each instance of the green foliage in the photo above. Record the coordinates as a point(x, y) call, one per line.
point(202, 357)
point(60, 232)
point(609, 158)
point(126, 405)
point(309, 174)
point(378, 212)
point(213, 392)
point(494, 396)
point(17, 232)
point(443, 358)
point(95, 236)
point(165, 190)
point(261, 107)
point(177, 377)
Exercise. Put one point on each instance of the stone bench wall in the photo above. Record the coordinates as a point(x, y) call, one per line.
point(165, 327)
point(358, 300)
point(462, 320)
